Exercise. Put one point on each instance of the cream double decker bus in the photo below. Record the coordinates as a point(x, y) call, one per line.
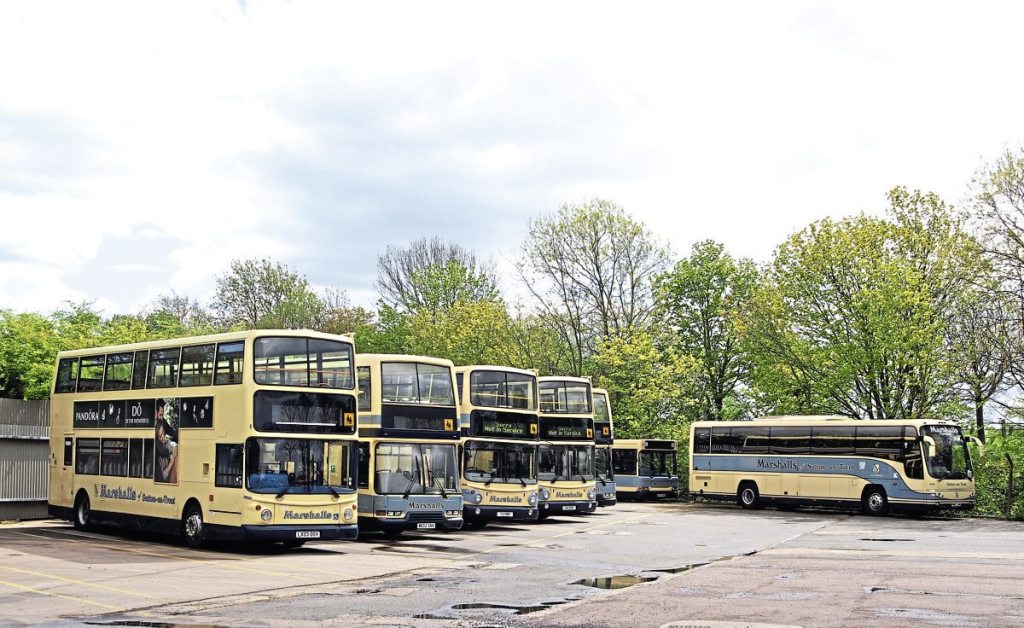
point(565, 467)
point(878, 465)
point(604, 436)
point(408, 435)
point(500, 433)
point(246, 435)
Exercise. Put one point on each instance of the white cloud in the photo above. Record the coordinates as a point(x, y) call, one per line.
point(318, 133)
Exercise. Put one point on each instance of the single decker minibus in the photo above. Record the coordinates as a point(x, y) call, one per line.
point(645, 468)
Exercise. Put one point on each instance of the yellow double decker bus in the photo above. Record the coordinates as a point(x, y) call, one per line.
point(246, 435)
point(565, 467)
point(604, 436)
point(500, 432)
point(912, 465)
point(408, 434)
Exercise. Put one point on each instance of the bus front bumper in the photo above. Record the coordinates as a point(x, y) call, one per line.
point(567, 508)
point(606, 499)
point(500, 513)
point(300, 533)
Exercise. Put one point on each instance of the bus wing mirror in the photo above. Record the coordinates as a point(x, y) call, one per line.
point(977, 441)
point(929, 445)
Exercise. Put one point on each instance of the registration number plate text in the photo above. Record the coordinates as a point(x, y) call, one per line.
point(504, 514)
point(568, 508)
point(425, 526)
point(307, 534)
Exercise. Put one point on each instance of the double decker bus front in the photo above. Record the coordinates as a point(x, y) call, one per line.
point(603, 439)
point(499, 443)
point(300, 465)
point(409, 471)
point(565, 468)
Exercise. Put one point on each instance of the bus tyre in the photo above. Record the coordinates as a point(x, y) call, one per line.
point(875, 503)
point(83, 513)
point(192, 526)
point(748, 496)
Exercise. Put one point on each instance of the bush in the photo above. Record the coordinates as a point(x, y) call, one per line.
point(992, 473)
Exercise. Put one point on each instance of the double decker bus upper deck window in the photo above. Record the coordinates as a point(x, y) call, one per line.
point(119, 371)
point(311, 362)
point(67, 375)
point(500, 389)
point(413, 382)
point(563, 397)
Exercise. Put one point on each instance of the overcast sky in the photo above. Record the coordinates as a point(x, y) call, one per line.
point(143, 146)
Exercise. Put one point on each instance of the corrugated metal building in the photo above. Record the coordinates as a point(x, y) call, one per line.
point(24, 453)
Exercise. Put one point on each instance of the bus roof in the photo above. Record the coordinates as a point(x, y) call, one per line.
point(659, 444)
point(564, 378)
point(363, 359)
point(184, 341)
point(493, 367)
point(815, 419)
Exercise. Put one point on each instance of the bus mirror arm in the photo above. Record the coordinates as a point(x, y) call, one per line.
point(977, 441)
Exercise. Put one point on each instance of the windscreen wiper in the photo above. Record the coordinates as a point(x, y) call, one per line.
point(412, 482)
point(281, 492)
point(433, 482)
point(328, 485)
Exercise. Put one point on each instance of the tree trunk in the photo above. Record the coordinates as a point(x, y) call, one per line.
point(979, 415)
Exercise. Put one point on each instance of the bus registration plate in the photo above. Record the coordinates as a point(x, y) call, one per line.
point(568, 507)
point(307, 534)
point(504, 514)
point(426, 526)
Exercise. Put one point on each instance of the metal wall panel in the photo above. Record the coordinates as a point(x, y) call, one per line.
point(24, 456)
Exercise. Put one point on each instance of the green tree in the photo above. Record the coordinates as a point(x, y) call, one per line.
point(852, 316)
point(259, 293)
point(433, 274)
point(699, 301)
point(174, 315)
point(589, 267)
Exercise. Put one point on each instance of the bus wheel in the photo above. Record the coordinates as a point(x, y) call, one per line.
point(192, 526)
point(875, 503)
point(83, 513)
point(748, 496)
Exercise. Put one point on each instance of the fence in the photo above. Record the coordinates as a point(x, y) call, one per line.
point(24, 453)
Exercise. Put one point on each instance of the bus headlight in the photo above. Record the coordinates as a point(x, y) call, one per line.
point(477, 498)
point(532, 499)
point(266, 515)
point(591, 494)
point(348, 515)
point(545, 494)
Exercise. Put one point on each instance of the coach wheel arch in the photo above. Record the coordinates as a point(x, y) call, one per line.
point(874, 501)
point(193, 528)
point(82, 515)
point(748, 496)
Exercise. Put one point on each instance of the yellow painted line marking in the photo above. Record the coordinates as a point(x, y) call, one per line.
point(217, 562)
point(79, 582)
point(73, 598)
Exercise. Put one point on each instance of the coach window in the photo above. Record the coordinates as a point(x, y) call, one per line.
point(136, 461)
point(230, 356)
point(163, 368)
point(721, 440)
point(90, 374)
point(750, 440)
point(147, 458)
point(702, 440)
point(139, 370)
point(832, 440)
point(912, 461)
point(119, 372)
point(791, 441)
point(880, 442)
point(87, 456)
point(196, 366)
point(67, 375)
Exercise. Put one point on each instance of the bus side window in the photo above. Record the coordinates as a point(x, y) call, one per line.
point(624, 461)
point(90, 373)
point(229, 466)
point(912, 461)
point(148, 451)
point(136, 458)
point(364, 465)
point(68, 449)
point(139, 370)
point(87, 456)
point(163, 368)
point(702, 440)
point(230, 356)
point(363, 375)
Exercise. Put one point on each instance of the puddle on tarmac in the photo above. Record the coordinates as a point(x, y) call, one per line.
point(519, 610)
point(679, 569)
point(615, 582)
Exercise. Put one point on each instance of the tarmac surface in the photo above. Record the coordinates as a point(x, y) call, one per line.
point(634, 564)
